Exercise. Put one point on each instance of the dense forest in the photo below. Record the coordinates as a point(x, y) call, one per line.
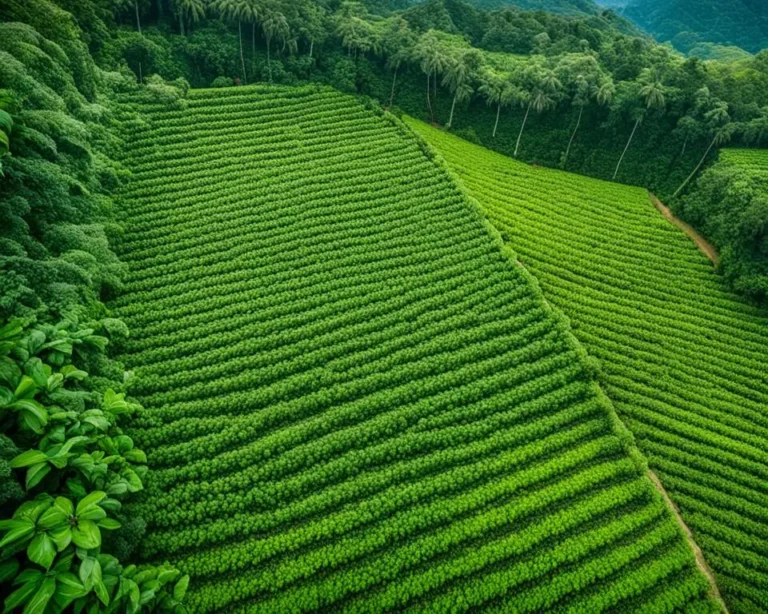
point(686, 23)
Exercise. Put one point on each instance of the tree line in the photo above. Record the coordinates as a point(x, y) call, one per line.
point(561, 71)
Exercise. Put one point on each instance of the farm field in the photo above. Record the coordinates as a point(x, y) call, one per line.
point(683, 360)
point(356, 401)
point(752, 160)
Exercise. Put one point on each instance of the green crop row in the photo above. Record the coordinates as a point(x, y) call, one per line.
point(683, 359)
point(356, 399)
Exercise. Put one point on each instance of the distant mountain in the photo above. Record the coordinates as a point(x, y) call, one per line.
point(740, 23)
point(616, 5)
point(564, 7)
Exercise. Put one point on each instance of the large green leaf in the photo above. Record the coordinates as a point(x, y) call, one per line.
point(90, 501)
point(61, 536)
point(41, 598)
point(68, 588)
point(86, 535)
point(30, 457)
point(6, 122)
point(59, 513)
point(26, 388)
point(42, 550)
point(21, 595)
point(36, 473)
point(90, 572)
point(18, 530)
point(38, 371)
point(180, 590)
point(9, 372)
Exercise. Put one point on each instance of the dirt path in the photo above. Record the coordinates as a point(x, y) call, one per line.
point(701, 563)
point(704, 245)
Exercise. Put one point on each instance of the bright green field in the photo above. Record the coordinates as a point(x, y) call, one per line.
point(753, 160)
point(356, 400)
point(684, 361)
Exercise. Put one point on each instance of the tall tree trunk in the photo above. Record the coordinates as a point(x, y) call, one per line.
point(429, 103)
point(394, 79)
point(696, 170)
point(435, 87)
point(496, 125)
point(685, 144)
point(578, 123)
point(311, 47)
point(138, 21)
point(520, 136)
point(253, 42)
point(160, 9)
point(453, 106)
point(141, 77)
point(181, 23)
point(269, 57)
point(242, 55)
point(629, 142)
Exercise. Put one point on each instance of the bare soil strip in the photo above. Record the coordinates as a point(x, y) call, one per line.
point(701, 563)
point(704, 245)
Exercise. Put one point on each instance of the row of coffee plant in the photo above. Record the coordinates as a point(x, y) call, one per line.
point(683, 359)
point(358, 400)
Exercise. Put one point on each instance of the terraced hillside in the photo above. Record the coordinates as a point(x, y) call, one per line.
point(356, 401)
point(684, 361)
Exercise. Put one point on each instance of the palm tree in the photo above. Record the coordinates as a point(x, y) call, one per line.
point(432, 60)
point(274, 25)
point(238, 10)
point(719, 122)
point(121, 5)
point(689, 127)
point(189, 10)
point(458, 74)
point(398, 43)
point(353, 28)
point(492, 87)
point(653, 94)
point(312, 24)
point(757, 129)
point(602, 93)
point(541, 97)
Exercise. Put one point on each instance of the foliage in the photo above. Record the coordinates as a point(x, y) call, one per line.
point(367, 403)
point(54, 216)
point(77, 465)
point(730, 205)
point(742, 23)
point(683, 358)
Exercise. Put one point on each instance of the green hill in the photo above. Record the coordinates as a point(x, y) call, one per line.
point(741, 23)
point(357, 402)
point(683, 359)
point(565, 7)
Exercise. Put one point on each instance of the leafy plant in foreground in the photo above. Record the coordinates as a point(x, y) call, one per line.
point(77, 464)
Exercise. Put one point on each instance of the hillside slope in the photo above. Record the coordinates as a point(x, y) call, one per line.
point(743, 23)
point(356, 401)
point(728, 202)
point(564, 7)
point(683, 360)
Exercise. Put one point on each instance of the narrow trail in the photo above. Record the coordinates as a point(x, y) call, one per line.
point(701, 562)
point(705, 246)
